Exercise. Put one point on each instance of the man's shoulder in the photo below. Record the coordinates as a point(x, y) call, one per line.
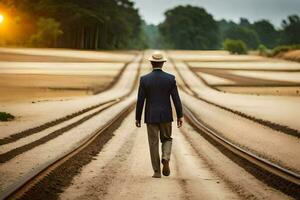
point(151, 74)
point(145, 76)
point(169, 75)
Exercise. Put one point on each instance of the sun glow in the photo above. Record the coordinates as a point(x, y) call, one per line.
point(1, 18)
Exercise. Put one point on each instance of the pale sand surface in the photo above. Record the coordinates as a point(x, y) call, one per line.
point(33, 95)
point(42, 75)
point(241, 83)
point(259, 90)
point(263, 64)
point(23, 141)
point(29, 139)
point(291, 55)
point(203, 56)
point(99, 55)
point(266, 142)
point(37, 87)
point(54, 81)
point(270, 144)
point(22, 165)
point(239, 179)
point(215, 80)
point(31, 115)
point(102, 68)
point(279, 76)
point(123, 171)
point(263, 107)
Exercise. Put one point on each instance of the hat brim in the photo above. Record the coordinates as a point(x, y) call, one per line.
point(160, 60)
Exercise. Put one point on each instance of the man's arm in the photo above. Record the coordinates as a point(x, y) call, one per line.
point(140, 104)
point(177, 103)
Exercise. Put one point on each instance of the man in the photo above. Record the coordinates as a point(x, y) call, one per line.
point(156, 88)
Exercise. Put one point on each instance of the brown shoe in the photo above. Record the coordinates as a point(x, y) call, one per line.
point(166, 167)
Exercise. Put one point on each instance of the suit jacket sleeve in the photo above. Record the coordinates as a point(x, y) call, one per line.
point(176, 99)
point(140, 101)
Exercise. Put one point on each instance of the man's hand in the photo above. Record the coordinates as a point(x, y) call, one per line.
point(179, 122)
point(138, 123)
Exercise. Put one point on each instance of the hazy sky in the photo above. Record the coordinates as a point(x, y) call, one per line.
point(274, 10)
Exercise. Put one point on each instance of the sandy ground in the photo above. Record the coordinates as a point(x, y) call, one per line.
point(259, 90)
point(23, 165)
point(122, 170)
point(43, 87)
point(279, 148)
point(100, 68)
point(34, 95)
point(265, 83)
point(263, 107)
point(263, 141)
point(245, 77)
point(30, 115)
point(244, 63)
point(216, 56)
point(52, 54)
point(271, 76)
point(291, 55)
point(215, 80)
point(52, 74)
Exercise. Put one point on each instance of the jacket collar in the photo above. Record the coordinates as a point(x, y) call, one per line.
point(157, 69)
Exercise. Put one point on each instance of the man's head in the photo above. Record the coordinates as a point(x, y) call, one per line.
point(157, 59)
point(157, 64)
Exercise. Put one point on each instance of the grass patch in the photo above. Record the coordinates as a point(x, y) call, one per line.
point(4, 116)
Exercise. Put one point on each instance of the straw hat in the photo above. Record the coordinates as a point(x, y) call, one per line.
point(157, 56)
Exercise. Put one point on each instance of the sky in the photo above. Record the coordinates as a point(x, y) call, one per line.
point(275, 11)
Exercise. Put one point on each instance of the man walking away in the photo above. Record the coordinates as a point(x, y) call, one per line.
point(157, 88)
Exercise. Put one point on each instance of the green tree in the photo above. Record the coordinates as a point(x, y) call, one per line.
point(244, 34)
point(48, 31)
point(267, 34)
point(189, 27)
point(153, 36)
point(235, 46)
point(291, 30)
point(89, 24)
point(244, 22)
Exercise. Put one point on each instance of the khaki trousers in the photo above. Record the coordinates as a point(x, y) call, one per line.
point(162, 131)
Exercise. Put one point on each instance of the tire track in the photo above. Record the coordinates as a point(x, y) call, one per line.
point(266, 123)
point(17, 151)
point(61, 177)
point(16, 136)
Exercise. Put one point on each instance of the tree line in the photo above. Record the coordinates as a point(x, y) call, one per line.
point(190, 27)
point(89, 24)
point(116, 24)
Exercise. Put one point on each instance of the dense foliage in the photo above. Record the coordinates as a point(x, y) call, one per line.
point(267, 33)
point(116, 24)
point(89, 24)
point(189, 27)
point(248, 36)
point(291, 30)
point(235, 46)
point(262, 32)
point(153, 37)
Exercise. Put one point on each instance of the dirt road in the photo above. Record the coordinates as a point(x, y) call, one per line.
point(122, 170)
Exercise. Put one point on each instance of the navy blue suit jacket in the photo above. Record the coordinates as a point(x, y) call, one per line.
point(157, 88)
